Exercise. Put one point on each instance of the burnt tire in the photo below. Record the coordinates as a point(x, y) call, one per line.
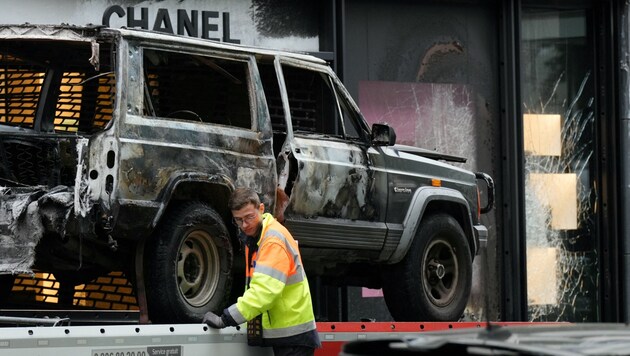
point(188, 265)
point(433, 281)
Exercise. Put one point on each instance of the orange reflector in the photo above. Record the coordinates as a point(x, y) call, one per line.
point(436, 182)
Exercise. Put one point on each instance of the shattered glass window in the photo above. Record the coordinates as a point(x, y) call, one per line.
point(557, 91)
point(197, 88)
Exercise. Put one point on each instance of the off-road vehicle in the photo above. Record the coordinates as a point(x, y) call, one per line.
point(119, 149)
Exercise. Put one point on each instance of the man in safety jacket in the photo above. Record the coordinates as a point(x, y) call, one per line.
point(277, 294)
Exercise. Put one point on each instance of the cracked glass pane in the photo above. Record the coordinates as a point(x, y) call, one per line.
point(557, 90)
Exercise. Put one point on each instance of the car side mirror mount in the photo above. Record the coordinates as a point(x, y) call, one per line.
point(383, 135)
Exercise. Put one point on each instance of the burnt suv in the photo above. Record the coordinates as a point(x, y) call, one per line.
point(119, 149)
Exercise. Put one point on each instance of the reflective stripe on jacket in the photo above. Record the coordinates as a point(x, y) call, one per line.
point(278, 288)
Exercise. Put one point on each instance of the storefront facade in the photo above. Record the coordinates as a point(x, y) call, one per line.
point(533, 92)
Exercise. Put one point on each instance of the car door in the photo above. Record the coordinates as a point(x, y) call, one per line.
point(331, 184)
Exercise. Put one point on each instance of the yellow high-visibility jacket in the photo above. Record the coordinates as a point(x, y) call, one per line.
point(278, 288)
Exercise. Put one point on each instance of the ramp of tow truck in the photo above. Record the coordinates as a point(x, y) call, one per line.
point(189, 339)
point(126, 340)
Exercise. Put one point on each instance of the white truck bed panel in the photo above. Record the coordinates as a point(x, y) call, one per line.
point(126, 340)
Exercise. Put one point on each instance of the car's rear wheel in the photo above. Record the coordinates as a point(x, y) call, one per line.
point(433, 281)
point(188, 265)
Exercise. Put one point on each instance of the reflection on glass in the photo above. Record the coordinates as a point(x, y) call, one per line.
point(558, 105)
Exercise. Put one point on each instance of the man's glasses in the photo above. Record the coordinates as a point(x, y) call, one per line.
point(247, 219)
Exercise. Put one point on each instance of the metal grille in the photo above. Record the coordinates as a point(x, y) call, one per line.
point(74, 110)
point(29, 163)
point(20, 85)
point(302, 101)
point(84, 104)
point(110, 292)
point(215, 90)
point(39, 161)
point(68, 107)
point(174, 89)
point(104, 101)
point(272, 94)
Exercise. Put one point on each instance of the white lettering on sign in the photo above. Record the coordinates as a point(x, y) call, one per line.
point(164, 350)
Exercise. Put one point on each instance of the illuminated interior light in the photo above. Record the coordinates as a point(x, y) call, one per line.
point(558, 193)
point(542, 134)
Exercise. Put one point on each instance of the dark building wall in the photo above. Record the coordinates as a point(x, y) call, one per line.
point(439, 45)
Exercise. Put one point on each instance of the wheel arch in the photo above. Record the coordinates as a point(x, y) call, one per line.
point(213, 189)
point(432, 200)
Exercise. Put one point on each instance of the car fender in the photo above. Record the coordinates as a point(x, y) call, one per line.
point(421, 199)
point(189, 177)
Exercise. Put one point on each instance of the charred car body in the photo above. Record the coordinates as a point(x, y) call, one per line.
point(119, 149)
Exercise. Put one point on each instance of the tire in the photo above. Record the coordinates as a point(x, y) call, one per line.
point(188, 265)
point(433, 281)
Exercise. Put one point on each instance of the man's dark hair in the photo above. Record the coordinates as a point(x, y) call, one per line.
point(243, 196)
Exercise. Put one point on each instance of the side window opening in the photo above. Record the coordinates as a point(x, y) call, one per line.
point(274, 103)
point(317, 106)
point(71, 94)
point(50, 95)
point(351, 124)
point(196, 88)
point(312, 102)
point(21, 84)
point(82, 97)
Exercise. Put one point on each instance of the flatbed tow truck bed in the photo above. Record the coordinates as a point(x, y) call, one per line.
point(58, 339)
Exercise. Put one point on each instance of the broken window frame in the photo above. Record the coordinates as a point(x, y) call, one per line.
point(248, 71)
point(343, 104)
point(60, 108)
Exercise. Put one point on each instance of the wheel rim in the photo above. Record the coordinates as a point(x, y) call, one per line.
point(198, 268)
point(440, 272)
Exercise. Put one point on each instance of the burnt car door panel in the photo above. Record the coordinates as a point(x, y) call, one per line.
point(332, 183)
point(330, 203)
point(198, 119)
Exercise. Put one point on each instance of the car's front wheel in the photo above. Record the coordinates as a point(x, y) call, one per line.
point(188, 265)
point(433, 281)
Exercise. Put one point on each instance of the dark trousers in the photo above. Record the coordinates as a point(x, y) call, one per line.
point(293, 351)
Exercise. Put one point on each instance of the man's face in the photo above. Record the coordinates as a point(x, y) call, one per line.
point(248, 218)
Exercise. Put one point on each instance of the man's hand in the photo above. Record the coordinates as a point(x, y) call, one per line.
point(213, 320)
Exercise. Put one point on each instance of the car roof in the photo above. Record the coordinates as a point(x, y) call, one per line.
point(89, 32)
